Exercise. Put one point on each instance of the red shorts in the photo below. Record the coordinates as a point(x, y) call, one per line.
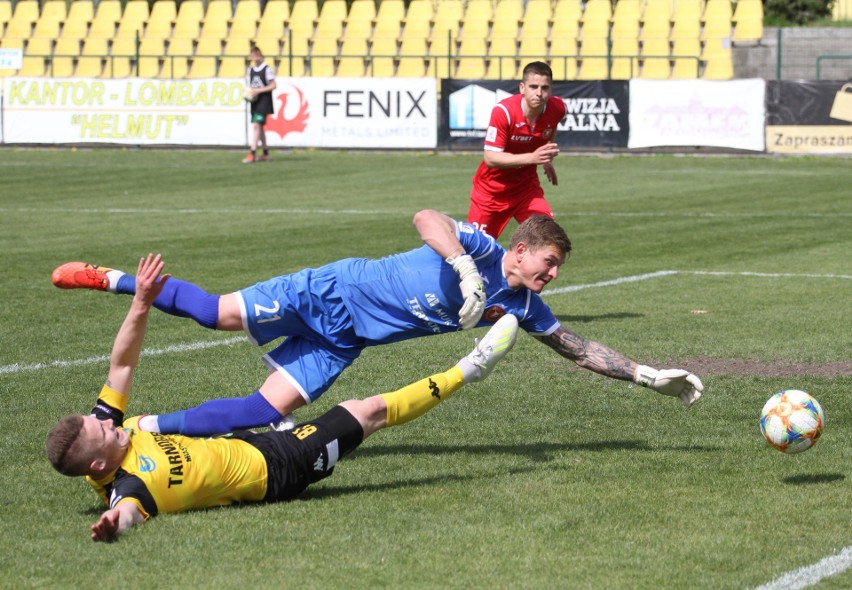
point(493, 215)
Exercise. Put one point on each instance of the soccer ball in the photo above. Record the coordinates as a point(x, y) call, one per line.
point(249, 96)
point(792, 421)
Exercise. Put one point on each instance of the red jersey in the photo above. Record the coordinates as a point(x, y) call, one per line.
point(508, 131)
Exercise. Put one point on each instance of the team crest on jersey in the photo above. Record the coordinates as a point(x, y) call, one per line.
point(493, 313)
point(547, 133)
point(146, 464)
point(491, 134)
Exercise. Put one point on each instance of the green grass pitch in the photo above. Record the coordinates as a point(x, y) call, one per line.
point(544, 476)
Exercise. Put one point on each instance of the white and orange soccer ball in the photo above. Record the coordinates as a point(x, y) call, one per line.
point(792, 421)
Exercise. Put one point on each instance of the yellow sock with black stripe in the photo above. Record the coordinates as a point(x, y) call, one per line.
point(416, 399)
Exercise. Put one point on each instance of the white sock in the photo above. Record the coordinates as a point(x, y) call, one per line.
point(470, 371)
point(149, 423)
point(112, 277)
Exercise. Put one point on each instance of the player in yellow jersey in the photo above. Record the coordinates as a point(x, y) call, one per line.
point(139, 474)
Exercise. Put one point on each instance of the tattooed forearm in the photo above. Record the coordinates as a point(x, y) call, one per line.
point(590, 355)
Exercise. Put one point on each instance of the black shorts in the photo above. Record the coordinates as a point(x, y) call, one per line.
point(308, 453)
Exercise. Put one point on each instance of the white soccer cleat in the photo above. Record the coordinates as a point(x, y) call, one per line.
point(492, 348)
point(288, 422)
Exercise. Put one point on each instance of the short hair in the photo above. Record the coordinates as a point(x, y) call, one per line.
point(537, 67)
point(257, 49)
point(65, 451)
point(540, 231)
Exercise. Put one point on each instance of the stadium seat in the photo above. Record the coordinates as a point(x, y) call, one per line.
point(76, 25)
point(275, 14)
point(383, 52)
point(715, 28)
point(233, 67)
point(23, 20)
point(532, 48)
point(352, 62)
point(246, 18)
point(417, 21)
point(133, 19)
point(269, 46)
point(448, 17)
point(161, 19)
point(593, 59)
point(151, 50)
point(237, 47)
point(216, 19)
point(89, 66)
point(748, 20)
point(202, 67)
point(536, 20)
point(331, 17)
point(180, 46)
point(323, 53)
point(389, 19)
point(359, 22)
point(65, 52)
point(106, 19)
point(625, 19)
point(5, 15)
point(502, 61)
point(52, 15)
point(32, 67)
point(656, 63)
point(625, 64)
point(39, 46)
point(412, 57)
point(719, 66)
point(507, 19)
point(471, 58)
point(571, 10)
point(303, 14)
point(683, 50)
point(720, 9)
point(188, 19)
point(595, 11)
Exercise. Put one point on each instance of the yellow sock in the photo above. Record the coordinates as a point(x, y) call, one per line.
point(418, 398)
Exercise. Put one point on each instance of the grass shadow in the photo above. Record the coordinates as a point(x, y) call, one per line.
point(813, 478)
point(582, 319)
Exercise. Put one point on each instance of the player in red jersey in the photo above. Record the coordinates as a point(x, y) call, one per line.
point(519, 138)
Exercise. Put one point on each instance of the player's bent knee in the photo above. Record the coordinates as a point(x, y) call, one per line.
point(371, 413)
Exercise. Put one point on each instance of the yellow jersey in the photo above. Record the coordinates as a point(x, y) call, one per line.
point(173, 473)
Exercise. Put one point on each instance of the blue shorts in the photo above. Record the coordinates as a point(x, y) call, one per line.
point(306, 308)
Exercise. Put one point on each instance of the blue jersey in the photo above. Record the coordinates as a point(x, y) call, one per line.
point(417, 293)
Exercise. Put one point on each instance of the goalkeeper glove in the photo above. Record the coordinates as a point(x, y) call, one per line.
point(472, 290)
point(673, 382)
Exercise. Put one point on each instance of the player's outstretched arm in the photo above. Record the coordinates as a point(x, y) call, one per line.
point(602, 359)
point(439, 232)
point(115, 521)
point(128, 342)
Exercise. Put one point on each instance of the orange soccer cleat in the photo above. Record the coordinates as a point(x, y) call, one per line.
point(81, 275)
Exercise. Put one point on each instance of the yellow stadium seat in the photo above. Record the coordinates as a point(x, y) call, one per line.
point(563, 46)
point(150, 52)
point(471, 60)
point(502, 61)
point(625, 65)
point(23, 19)
point(91, 66)
point(202, 67)
point(352, 63)
point(533, 48)
point(656, 26)
point(53, 10)
point(188, 19)
point(12, 43)
point(717, 9)
point(507, 18)
point(208, 47)
point(133, 19)
point(216, 19)
point(448, 18)
point(180, 46)
point(567, 9)
point(106, 19)
point(412, 57)
point(233, 67)
point(656, 63)
point(331, 17)
point(417, 20)
point(94, 46)
point(597, 10)
point(362, 10)
point(593, 54)
point(275, 13)
point(536, 20)
point(359, 22)
point(748, 18)
point(389, 19)
point(80, 14)
point(243, 26)
point(39, 46)
point(383, 52)
point(32, 67)
point(565, 28)
point(720, 66)
point(67, 47)
point(268, 46)
point(237, 46)
point(625, 19)
point(323, 54)
point(175, 67)
point(564, 68)
point(5, 15)
point(161, 19)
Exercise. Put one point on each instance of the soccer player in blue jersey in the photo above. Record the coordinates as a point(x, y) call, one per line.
point(461, 278)
point(140, 474)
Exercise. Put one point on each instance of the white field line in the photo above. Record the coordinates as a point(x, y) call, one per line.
point(812, 574)
point(303, 211)
point(18, 368)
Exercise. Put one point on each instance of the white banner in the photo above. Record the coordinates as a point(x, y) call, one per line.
point(130, 111)
point(726, 114)
point(354, 113)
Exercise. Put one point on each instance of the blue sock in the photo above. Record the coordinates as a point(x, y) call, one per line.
point(220, 415)
point(181, 299)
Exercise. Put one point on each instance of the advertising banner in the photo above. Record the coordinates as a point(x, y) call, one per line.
point(130, 111)
point(808, 117)
point(728, 114)
point(354, 113)
point(597, 112)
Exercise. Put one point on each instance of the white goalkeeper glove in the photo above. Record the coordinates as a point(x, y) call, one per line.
point(673, 382)
point(472, 290)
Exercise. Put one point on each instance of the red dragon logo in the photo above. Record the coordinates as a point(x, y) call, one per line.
point(281, 124)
